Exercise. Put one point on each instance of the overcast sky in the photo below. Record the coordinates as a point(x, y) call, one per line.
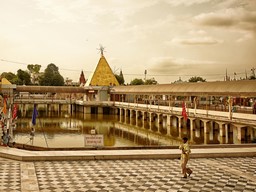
point(168, 38)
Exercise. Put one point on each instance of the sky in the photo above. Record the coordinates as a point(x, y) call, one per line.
point(170, 39)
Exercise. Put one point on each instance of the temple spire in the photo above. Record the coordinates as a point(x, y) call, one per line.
point(101, 49)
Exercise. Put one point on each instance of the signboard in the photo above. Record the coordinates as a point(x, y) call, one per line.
point(93, 140)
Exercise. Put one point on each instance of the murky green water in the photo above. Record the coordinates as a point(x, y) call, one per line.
point(65, 131)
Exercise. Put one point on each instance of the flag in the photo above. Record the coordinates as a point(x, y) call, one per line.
point(184, 112)
point(15, 111)
point(5, 106)
point(34, 115)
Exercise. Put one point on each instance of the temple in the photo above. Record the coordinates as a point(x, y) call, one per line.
point(82, 80)
point(102, 75)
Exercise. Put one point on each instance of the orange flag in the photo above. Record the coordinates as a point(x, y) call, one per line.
point(5, 106)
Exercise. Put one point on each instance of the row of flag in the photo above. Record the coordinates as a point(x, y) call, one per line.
point(15, 111)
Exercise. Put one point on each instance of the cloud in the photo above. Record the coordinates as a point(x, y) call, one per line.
point(238, 19)
point(196, 41)
point(186, 2)
point(178, 65)
point(197, 32)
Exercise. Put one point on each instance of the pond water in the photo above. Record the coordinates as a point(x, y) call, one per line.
point(79, 130)
point(70, 132)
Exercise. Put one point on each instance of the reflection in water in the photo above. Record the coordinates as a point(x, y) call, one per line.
point(69, 132)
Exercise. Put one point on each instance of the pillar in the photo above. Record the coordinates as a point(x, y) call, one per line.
point(120, 114)
point(87, 110)
point(136, 117)
point(100, 110)
point(252, 133)
point(197, 128)
point(144, 118)
point(168, 124)
point(125, 115)
point(179, 127)
point(192, 130)
point(159, 121)
point(226, 133)
point(211, 133)
point(150, 120)
point(222, 135)
point(237, 134)
point(206, 131)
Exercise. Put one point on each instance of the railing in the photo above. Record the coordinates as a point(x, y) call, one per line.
point(61, 101)
point(210, 114)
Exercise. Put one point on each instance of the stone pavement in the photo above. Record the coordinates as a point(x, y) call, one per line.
point(209, 174)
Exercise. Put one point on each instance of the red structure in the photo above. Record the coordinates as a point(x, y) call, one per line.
point(82, 80)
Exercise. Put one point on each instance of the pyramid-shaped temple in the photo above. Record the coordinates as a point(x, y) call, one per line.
point(102, 75)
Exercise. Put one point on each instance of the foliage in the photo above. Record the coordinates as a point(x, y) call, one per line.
point(10, 77)
point(137, 82)
point(196, 79)
point(23, 78)
point(51, 76)
point(120, 78)
point(34, 72)
point(34, 68)
point(252, 77)
point(151, 81)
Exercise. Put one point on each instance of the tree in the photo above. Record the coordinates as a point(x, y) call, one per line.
point(51, 76)
point(34, 68)
point(23, 78)
point(253, 76)
point(151, 81)
point(34, 72)
point(196, 79)
point(137, 82)
point(120, 78)
point(10, 77)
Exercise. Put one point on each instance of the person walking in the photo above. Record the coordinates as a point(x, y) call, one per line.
point(185, 151)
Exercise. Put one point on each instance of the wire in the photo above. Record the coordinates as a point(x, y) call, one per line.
point(21, 63)
point(134, 74)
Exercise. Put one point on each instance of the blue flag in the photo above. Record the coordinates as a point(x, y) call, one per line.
point(34, 115)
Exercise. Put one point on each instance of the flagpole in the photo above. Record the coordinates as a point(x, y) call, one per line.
point(43, 133)
point(34, 116)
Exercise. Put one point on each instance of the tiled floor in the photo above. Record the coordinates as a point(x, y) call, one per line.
point(219, 174)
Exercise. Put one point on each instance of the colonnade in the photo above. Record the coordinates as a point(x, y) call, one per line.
point(197, 129)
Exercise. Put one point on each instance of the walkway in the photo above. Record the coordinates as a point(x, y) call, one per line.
point(129, 173)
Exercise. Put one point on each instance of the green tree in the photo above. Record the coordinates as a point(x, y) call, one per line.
point(10, 77)
point(51, 76)
point(151, 81)
point(137, 82)
point(23, 78)
point(196, 79)
point(34, 68)
point(120, 78)
point(34, 72)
